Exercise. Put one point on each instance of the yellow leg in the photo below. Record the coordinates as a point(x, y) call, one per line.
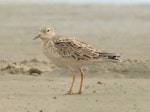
point(73, 79)
point(81, 83)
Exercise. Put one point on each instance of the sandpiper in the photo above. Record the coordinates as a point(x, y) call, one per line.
point(70, 53)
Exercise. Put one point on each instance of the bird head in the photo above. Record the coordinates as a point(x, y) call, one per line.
point(45, 33)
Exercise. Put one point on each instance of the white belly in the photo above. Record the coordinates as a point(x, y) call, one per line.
point(55, 58)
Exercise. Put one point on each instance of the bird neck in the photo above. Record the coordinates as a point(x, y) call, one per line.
point(48, 40)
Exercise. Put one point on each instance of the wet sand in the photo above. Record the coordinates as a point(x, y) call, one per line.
point(31, 83)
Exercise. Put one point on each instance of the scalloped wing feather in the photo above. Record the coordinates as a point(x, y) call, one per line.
point(71, 48)
point(78, 50)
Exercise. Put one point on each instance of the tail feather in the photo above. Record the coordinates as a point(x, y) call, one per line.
point(111, 56)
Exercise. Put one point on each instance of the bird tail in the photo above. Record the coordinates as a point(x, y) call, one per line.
point(109, 56)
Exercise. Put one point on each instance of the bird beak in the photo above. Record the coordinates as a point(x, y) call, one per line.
point(37, 37)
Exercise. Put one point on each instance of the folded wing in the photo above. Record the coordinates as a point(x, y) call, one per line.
point(74, 49)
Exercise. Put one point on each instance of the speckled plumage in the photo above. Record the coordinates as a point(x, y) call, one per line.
point(70, 53)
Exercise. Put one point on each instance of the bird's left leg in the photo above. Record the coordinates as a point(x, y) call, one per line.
point(73, 80)
point(81, 83)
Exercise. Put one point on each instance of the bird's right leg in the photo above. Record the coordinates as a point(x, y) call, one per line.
point(73, 80)
point(81, 83)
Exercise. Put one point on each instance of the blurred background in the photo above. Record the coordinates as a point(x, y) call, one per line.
point(121, 26)
point(82, 1)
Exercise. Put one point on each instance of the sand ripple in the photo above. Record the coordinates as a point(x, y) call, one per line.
point(36, 67)
point(30, 67)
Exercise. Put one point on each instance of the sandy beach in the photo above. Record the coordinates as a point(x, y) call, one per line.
point(29, 82)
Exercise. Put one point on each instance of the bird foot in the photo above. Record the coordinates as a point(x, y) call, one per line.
point(69, 93)
point(79, 92)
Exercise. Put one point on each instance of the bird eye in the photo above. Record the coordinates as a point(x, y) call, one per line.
point(48, 30)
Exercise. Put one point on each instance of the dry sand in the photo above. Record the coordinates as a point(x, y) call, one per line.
point(30, 83)
point(31, 94)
